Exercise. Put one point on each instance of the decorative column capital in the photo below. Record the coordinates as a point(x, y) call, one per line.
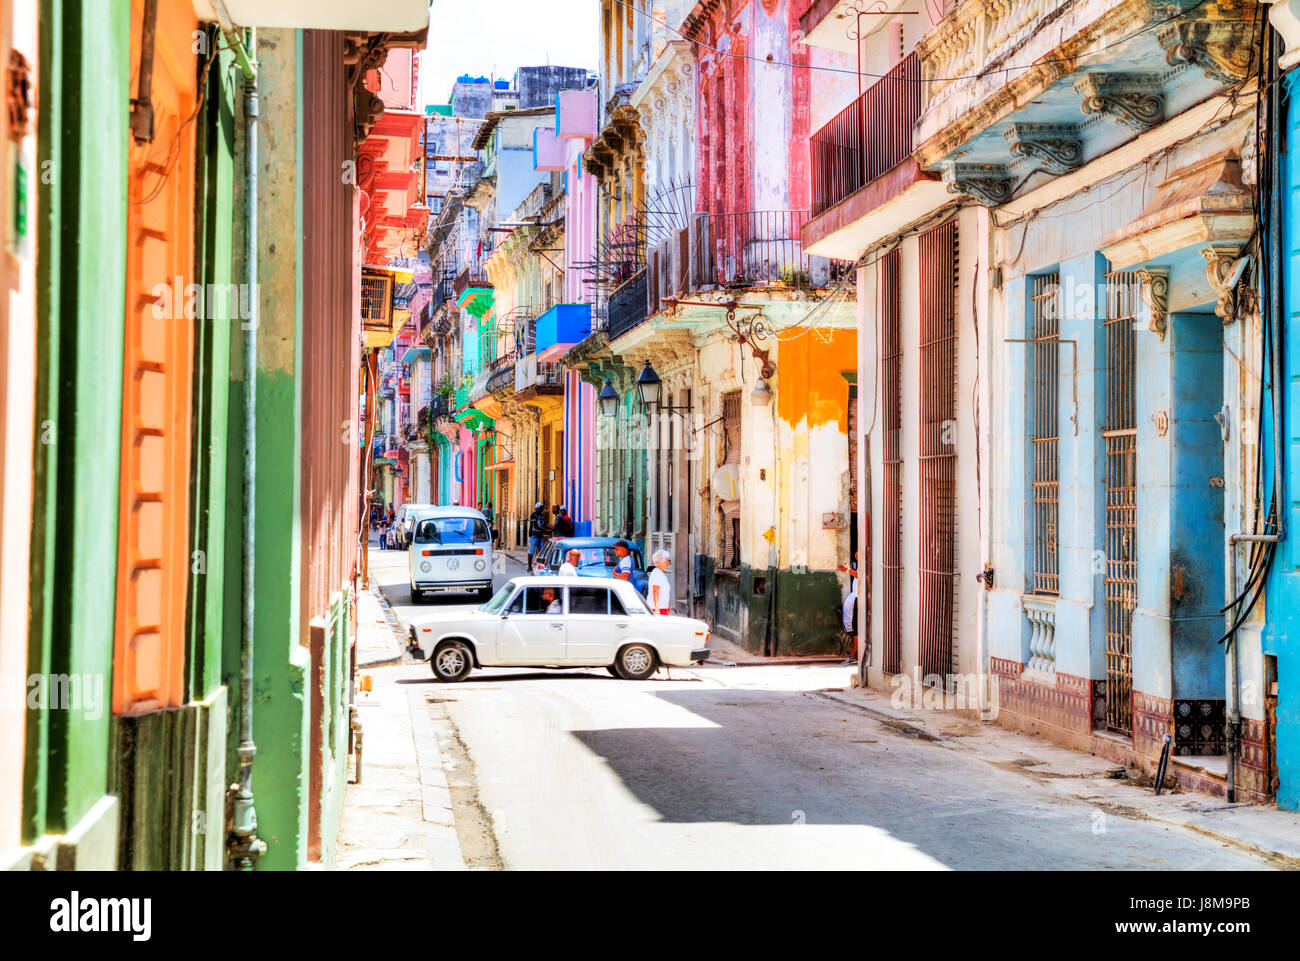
point(1133, 99)
point(1155, 295)
point(1236, 298)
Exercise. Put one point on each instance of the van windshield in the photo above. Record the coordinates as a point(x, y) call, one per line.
point(451, 530)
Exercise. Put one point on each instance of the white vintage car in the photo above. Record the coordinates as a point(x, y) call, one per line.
point(561, 622)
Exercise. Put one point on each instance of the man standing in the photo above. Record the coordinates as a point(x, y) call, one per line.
point(623, 566)
point(570, 565)
point(564, 523)
point(537, 531)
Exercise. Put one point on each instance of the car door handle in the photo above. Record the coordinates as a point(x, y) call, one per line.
point(557, 627)
point(620, 625)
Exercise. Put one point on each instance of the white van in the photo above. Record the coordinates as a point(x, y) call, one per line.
point(451, 550)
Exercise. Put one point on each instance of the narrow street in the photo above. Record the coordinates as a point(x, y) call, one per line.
point(754, 767)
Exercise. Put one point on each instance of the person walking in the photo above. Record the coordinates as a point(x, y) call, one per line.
point(661, 588)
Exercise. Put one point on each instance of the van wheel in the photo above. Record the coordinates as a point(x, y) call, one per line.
point(636, 662)
point(417, 597)
point(451, 662)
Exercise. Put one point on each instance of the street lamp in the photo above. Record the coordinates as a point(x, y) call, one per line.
point(761, 395)
point(649, 386)
point(608, 399)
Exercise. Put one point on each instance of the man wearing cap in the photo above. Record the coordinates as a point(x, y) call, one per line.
point(564, 523)
point(537, 531)
point(623, 567)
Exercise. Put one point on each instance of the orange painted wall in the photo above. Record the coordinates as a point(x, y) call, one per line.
point(810, 381)
point(153, 554)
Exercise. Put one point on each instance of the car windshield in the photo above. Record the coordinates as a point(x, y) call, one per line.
point(451, 530)
point(593, 557)
point(499, 599)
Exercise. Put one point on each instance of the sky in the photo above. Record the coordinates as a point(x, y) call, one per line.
point(486, 37)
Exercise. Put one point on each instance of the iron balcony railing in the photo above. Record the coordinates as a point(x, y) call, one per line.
point(868, 138)
point(760, 247)
point(475, 275)
point(502, 373)
point(627, 306)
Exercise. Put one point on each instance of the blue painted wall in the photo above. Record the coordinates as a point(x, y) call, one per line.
point(1282, 599)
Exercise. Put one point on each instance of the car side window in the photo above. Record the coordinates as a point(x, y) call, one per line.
point(616, 605)
point(517, 603)
point(540, 600)
point(588, 600)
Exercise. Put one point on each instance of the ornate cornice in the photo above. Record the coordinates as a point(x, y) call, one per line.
point(1056, 148)
point(1135, 100)
point(1223, 49)
point(990, 184)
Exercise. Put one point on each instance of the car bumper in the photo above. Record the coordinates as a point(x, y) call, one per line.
point(699, 655)
point(452, 585)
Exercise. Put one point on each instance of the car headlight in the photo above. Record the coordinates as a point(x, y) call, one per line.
point(480, 565)
point(426, 567)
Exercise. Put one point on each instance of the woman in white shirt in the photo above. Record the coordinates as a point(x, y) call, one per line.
point(661, 589)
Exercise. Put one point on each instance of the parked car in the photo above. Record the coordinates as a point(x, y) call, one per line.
point(405, 523)
point(598, 557)
point(552, 621)
point(451, 550)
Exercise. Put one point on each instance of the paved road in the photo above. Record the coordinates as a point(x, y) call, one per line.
point(751, 768)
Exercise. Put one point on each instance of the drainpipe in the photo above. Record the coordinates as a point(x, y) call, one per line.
point(244, 846)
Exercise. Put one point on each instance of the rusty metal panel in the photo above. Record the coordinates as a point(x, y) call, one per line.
point(1045, 438)
point(330, 355)
point(891, 402)
point(1120, 435)
point(938, 449)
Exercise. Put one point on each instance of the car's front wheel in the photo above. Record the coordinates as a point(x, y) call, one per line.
point(452, 661)
point(636, 662)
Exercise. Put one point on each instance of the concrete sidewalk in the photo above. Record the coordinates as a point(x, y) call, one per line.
point(1108, 787)
point(397, 815)
point(380, 639)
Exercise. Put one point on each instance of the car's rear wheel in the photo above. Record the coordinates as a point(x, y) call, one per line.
point(452, 661)
point(635, 662)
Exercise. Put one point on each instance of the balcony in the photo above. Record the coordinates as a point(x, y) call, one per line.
point(474, 290)
point(502, 374)
point(1034, 103)
point(627, 306)
point(533, 379)
point(562, 326)
point(868, 138)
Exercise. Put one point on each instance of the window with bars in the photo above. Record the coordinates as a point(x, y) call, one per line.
point(891, 402)
point(729, 556)
point(376, 296)
point(1045, 430)
point(938, 453)
point(1123, 290)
